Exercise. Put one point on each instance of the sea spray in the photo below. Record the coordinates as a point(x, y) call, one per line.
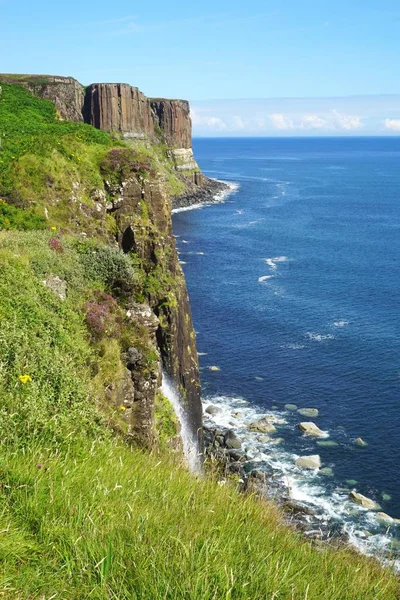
point(190, 444)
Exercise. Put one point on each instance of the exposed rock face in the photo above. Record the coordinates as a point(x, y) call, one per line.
point(65, 92)
point(120, 108)
point(173, 118)
point(143, 218)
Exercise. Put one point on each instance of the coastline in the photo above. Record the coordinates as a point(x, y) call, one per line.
point(213, 191)
point(320, 510)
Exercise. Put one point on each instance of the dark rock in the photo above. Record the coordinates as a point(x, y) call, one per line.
point(231, 440)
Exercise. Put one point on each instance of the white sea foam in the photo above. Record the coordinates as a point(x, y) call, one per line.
point(273, 262)
point(293, 346)
point(332, 506)
point(265, 278)
point(319, 337)
point(340, 323)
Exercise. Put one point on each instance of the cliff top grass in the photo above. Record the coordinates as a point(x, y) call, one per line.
point(85, 516)
point(53, 166)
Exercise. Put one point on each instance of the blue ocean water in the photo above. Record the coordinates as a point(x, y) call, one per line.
point(294, 286)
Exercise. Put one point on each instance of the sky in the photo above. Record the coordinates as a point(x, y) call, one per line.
point(265, 67)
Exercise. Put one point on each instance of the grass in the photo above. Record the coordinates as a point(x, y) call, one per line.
point(85, 516)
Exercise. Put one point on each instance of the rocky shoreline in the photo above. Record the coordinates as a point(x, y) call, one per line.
point(225, 453)
point(207, 192)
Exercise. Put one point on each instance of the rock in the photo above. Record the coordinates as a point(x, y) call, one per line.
point(237, 414)
point(276, 441)
point(311, 429)
point(363, 501)
point(386, 497)
point(326, 472)
point(309, 462)
point(327, 444)
point(237, 455)
point(360, 442)
point(290, 407)
point(213, 410)
point(308, 412)
point(214, 368)
point(264, 439)
point(262, 426)
point(256, 474)
point(351, 482)
point(231, 440)
point(56, 285)
point(384, 517)
point(275, 419)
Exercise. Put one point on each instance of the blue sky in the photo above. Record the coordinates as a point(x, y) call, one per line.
point(226, 50)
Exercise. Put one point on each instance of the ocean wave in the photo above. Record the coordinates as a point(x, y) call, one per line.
point(273, 262)
point(265, 278)
point(319, 337)
point(340, 323)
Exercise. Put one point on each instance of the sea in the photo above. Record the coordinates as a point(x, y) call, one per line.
point(294, 280)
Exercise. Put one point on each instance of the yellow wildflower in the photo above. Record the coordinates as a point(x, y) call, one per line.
point(54, 228)
point(122, 407)
point(25, 378)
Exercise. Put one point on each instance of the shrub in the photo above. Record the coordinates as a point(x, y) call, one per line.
point(12, 217)
point(102, 315)
point(110, 266)
point(121, 163)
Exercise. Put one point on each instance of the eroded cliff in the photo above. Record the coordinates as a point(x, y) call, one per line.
point(78, 180)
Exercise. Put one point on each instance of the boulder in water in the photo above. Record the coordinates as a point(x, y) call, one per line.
point(363, 501)
point(213, 410)
point(290, 406)
point(262, 426)
point(214, 368)
point(361, 442)
point(308, 412)
point(309, 428)
point(309, 462)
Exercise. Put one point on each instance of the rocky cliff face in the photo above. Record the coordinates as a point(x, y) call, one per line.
point(114, 107)
point(173, 118)
point(143, 217)
point(118, 108)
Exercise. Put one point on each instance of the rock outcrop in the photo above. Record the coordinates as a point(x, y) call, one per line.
point(119, 108)
point(173, 118)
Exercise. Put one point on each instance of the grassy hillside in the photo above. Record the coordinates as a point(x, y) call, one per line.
point(54, 167)
point(85, 516)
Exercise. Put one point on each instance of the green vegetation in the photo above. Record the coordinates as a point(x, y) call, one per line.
point(12, 217)
point(83, 515)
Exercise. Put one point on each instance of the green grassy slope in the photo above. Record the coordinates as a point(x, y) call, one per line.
point(85, 516)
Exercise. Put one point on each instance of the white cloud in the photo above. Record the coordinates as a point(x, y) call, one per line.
point(346, 122)
point(238, 123)
point(212, 122)
point(392, 124)
point(313, 122)
point(281, 122)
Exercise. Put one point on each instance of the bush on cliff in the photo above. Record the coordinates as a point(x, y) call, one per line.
point(85, 516)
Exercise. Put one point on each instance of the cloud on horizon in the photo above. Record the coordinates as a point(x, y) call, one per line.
point(364, 115)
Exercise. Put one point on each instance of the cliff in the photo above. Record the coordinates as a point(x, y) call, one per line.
point(82, 181)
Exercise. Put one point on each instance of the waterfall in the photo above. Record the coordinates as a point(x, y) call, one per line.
point(189, 440)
